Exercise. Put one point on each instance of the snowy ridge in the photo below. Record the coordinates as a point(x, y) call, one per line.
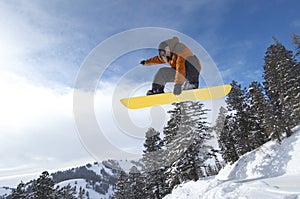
point(107, 171)
point(271, 171)
point(4, 192)
point(89, 191)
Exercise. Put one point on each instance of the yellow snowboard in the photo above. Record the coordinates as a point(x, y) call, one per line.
point(169, 98)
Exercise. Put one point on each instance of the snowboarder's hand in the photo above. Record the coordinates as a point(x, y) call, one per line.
point(143, 62)
point(177, 89)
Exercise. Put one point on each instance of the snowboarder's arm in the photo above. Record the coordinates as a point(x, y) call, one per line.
point(153, 61)
point(180, 70)
point(180, 64)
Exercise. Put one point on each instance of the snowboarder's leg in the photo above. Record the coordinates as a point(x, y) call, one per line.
point(163, 75)
point(192, 73)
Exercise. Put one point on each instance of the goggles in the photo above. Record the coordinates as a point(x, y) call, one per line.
point(162, 53)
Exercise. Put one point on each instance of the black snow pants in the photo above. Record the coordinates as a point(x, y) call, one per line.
point(167, 74)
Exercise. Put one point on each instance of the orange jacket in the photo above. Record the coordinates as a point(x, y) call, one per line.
point(180, 53)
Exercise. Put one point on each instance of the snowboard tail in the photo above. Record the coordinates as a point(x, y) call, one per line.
point(209, 93)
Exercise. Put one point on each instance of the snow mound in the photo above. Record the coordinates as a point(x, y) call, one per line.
point(271, 171)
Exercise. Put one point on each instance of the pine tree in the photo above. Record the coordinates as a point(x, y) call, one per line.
point(171, 130)
point(153, 165)
point(219, 124)
point(20, 192)
point(152, 156)
point(187, 147)
point(296, 41)
point(223, 128)
point(44, 187)
point(66, 192)
point(282, 86)
point(257, 115)
point(135, 184)
point(237, 105)
point(227, 141)
point(218, 129)
point(81, 194)
point(296, 92)
point(171, 153)
point(121, 192)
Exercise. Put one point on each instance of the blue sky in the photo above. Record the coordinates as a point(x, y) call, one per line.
point(44, 44)
point(235, 33)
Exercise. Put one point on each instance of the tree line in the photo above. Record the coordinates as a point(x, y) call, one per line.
point(263, 111)
point(43, 188)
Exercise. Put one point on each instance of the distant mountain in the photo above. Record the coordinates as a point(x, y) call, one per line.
point(5, 192)
point(98, 180)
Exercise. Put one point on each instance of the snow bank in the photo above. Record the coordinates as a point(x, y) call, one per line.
point(271, 171)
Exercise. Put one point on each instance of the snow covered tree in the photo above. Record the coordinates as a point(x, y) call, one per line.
point(219, 125)
point(171, 130)
point(153, 165)
point(237, 105)
point(170, 155)
point(282, 86)
point(43, 187)
point(81, 193)
point(66, 192)
point(223, 128)
point(135, 184)
point(296, 41)
point(120, 192)
point(227, 141)
point(152, 157)
point(257, 115)
point(296, 100)
point(19, 192)
point(187, 148)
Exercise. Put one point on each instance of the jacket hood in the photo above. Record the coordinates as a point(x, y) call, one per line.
point(169, 42)
point(173, 43)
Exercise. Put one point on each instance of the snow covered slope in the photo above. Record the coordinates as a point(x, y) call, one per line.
point(271, 171)
point(4, 192)
point(89, 191)
point(97, 179)
point(101, 184)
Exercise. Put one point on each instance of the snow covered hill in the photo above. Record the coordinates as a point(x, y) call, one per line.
point(89, 191)
point(97, 179)
point(4, 192)
point(271, 171)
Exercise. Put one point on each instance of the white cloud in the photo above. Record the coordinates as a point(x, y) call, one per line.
point(37, 128)
point(36, 121)
point(20, 36)
point(37, 43)
point(22, 102)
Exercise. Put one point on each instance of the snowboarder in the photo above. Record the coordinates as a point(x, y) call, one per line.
point(184, 70)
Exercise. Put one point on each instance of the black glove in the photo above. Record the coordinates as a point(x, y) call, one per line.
point(177, 89)
point(143, 62)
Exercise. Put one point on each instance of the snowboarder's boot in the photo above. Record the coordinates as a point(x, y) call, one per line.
point(190, 85)
point(156, 89)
